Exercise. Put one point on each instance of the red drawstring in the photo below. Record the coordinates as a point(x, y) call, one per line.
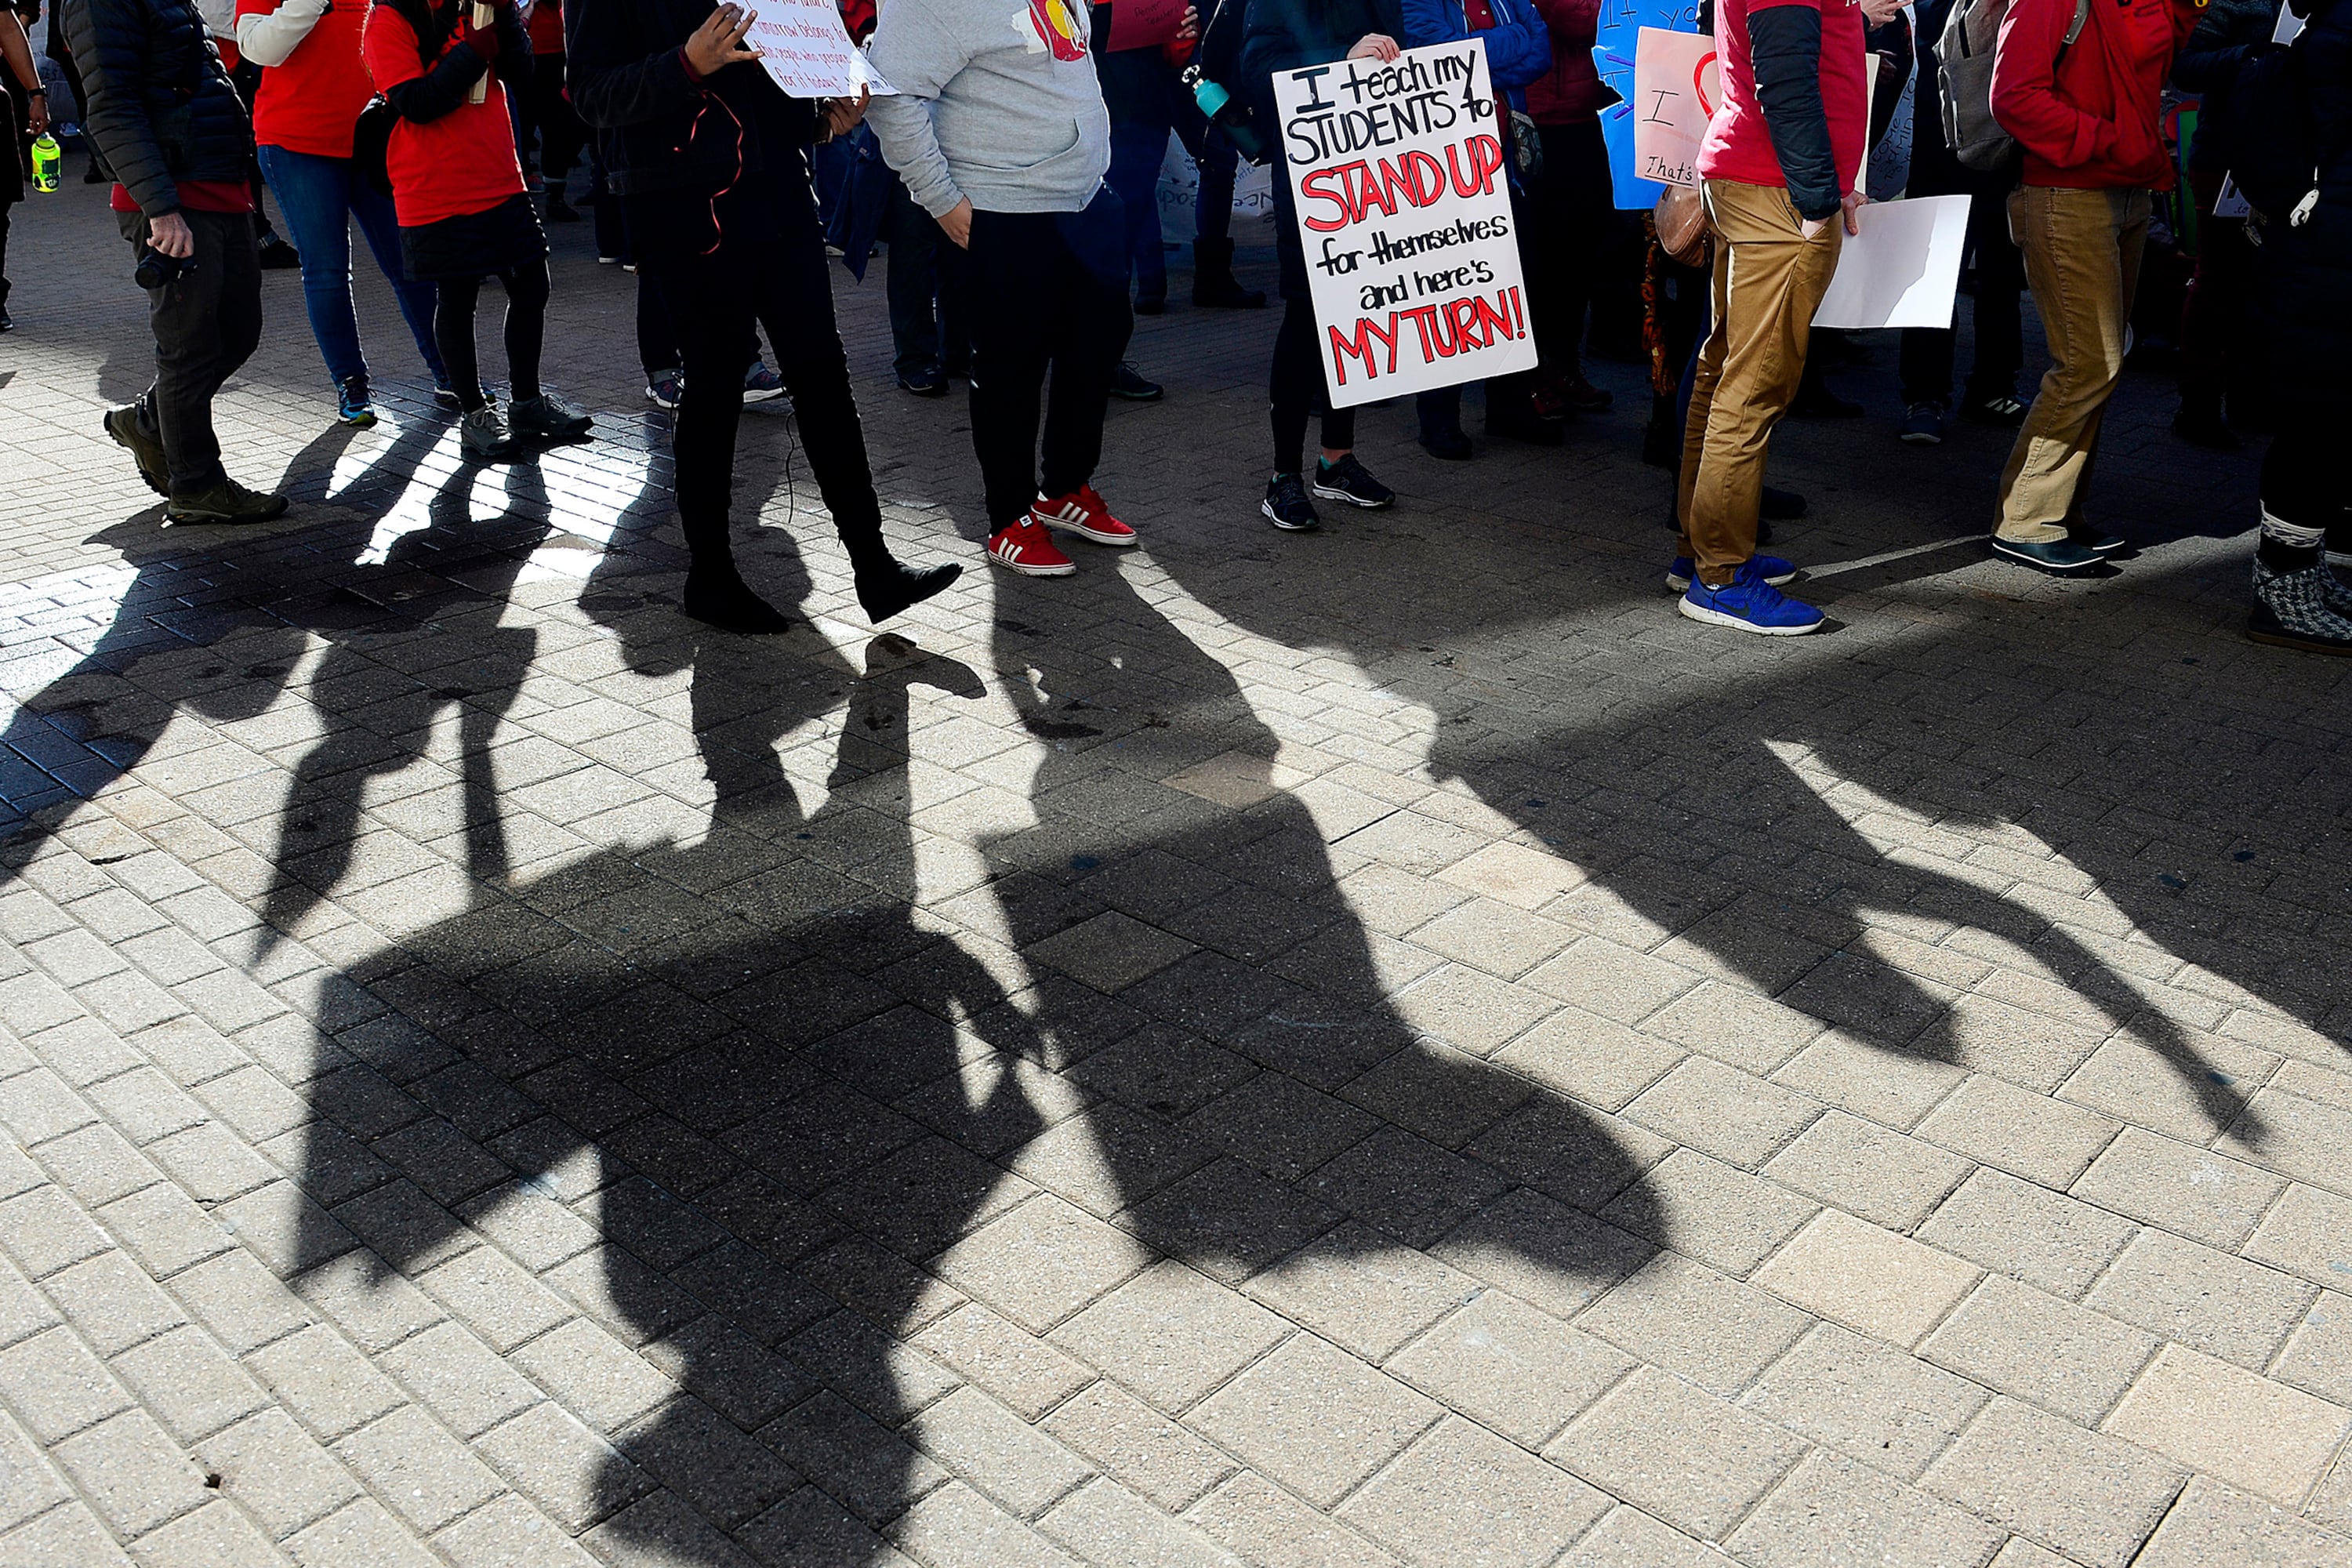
point(718, 234)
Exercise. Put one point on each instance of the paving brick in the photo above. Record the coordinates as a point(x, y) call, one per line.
point(2043, 1139)
point(113, 1302)
point(1143, 1449)
point(1025, 1371)
point(2019, 1341)
point(44, 1232)
point(2306, 1232)
point(329, 1387)
point(495, 1297)
point(596, 1376)
point(1735, 1116)
point(1461, 1494)
point(1108, 1524)
point(1881, 1175)
point(185, 1380)
point(870, 1468)
point(1833, 1512)
point(1510, 1367)
point(955, 1527)
point(2211, 1524)
point(2091, 1497)
point(1750, 1031)
point(2014, 1227)
point(570, 1473)
point(2203, 1195)
point(416, 1467)
point(1696, 1324)
point(56, 1386)
point(69, 1534)
point(2206, 1299)
point(1553, 1257)
point(1172, 1335)
point(509, 1531)
point(239, 1301)
point(32, 1487)
point(128, 1469)
point(1360, 1291)
point(217, 1532)
point(1629, 1538)
point(2229, 1423)
point(1869, 1278)
point(809, 1528)
point(1001, 1456)
point(1719, 1216)
point(277, 1471)
point(361, 1533)
point(709, 1462)
point(1865, 1400)
point(1597, 1059)
point(1677, 1452)
point(1247, 1513)
point(1042, 1262)
point(1312, 1418)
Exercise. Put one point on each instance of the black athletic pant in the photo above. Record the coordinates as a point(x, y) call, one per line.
point(526, 330)
point(767, 267)
point(1054, 287)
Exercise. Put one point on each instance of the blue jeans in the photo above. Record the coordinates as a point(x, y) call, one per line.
point(319, 198)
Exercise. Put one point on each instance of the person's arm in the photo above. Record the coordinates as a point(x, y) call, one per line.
point(417, 95)
point(917, 54)
point(2025, 100)
point(270, 38)
point(1428, 22)
point(1784, 44)
point(1518, 46)
point(19, 49)
point(613, 80)
point(108, 38)
point(513, 64)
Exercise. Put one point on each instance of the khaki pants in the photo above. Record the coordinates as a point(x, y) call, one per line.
point(1769, 281)
point(2082, 260)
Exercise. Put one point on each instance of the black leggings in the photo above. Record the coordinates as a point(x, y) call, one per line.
point(1298, 389)
point(453, 331)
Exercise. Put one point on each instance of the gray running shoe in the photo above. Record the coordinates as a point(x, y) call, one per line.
point(484, 436)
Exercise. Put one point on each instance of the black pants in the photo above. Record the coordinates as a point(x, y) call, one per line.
point(206, 325)
point(767, 267)
point(924, 280)
point(1928, 352)
point(4, 257)
point(2216, 333)
point(1056, 285)
point(546, 110)
point(1573, 223)
point(525, 332)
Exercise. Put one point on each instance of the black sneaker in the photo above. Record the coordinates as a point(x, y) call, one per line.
point(924, 381)
point(279, 255)
point(224, 501)
point(550, 416)
point(1285, 504)
point(2002, 411)
point(2059, 557)
point(146, 448)
point(2102, 545)
point(1130, 383)
point(1350, 482)
point(1923, 425)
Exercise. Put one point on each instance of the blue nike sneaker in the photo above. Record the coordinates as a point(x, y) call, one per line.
point(1749, 603)
point(1771, 568)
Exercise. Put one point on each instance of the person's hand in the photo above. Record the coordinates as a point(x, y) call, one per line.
point(483, 41)
point(719, 42)
point(1850, 209)
point(1374, 46)
point(1190, 27)
point(170, 236)
point(37, 118)
point(957, 223)
point(1878, 12)
point(841, 115)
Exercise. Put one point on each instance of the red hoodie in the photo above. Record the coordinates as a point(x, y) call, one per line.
point(2093, 124)
point(1570, 93)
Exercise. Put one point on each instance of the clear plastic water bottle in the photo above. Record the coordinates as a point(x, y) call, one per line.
point(47, 157)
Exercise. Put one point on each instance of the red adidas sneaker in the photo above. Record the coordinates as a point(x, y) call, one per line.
point(1026, 547)
point(1082, 512)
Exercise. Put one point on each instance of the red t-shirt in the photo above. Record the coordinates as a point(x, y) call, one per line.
point(545, 25)
point(461, 163)
point(1738, 145)
point(309, 101)
point(197, 196)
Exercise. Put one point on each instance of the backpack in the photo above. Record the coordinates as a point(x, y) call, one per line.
point(1964, 62)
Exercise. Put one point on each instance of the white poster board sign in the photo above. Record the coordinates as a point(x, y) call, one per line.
point(807, 50)
point(1902, 269)
point(1676, 85)
point(1180, 198)
point(1413, 255)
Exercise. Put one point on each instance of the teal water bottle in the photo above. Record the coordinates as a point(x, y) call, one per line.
point(46, 156)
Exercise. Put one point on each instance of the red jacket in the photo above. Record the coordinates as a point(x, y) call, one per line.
point(2093, 125)
point(1571, 92)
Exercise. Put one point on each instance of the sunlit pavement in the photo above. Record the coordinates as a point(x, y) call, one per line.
point(1384, 1046)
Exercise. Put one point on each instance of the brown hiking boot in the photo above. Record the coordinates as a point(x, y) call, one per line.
point(224, 501)
point(122, 424)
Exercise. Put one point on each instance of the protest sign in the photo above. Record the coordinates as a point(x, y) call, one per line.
point(1144, 24)
point(1902, 269)
point(1676, 85)
point(1412, 257)
point(1613, 55)
point(805, 49)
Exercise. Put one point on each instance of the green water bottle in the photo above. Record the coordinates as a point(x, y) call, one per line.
point(46, 156)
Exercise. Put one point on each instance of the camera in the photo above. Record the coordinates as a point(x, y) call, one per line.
point(157, 271)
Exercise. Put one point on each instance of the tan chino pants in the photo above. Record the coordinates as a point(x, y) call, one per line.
point(1769, 281)
point(2082, 260)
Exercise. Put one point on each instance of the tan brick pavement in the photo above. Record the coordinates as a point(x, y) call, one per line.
point(1378, 1047)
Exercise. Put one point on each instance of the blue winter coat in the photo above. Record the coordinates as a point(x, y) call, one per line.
point(1518, 46)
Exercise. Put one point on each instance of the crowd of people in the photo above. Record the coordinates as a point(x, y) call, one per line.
point(1012, 178)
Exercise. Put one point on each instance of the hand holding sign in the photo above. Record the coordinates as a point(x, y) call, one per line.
point(719, 42)
point(808, 51)
point(1676, 85)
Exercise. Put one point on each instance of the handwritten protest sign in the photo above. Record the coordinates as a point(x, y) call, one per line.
point(1902, 269)
point(1621, 24)
point(1412, 253)
point(805, 49)
point(1144, 24)
point(1676, 85)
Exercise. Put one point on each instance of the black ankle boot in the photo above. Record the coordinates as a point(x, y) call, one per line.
point(1213, 283)
point(717, 595)
point(886, 586)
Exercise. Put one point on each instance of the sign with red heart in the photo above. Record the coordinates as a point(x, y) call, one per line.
point(1676, 86)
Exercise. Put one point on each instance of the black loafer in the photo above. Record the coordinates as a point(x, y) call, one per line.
point(2059, 557)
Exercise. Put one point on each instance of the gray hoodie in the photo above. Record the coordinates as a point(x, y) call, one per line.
point(997, 100)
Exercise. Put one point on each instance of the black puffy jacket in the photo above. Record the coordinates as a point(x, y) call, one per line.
point(2291, 134)
point(656, 127)
point(162, 108)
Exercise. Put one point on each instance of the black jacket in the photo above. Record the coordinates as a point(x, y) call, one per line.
point(162, 108)
point(449, 74)
point(2291, 119)
point(656, 127)
point(2227, 36)
point(1288, 35)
